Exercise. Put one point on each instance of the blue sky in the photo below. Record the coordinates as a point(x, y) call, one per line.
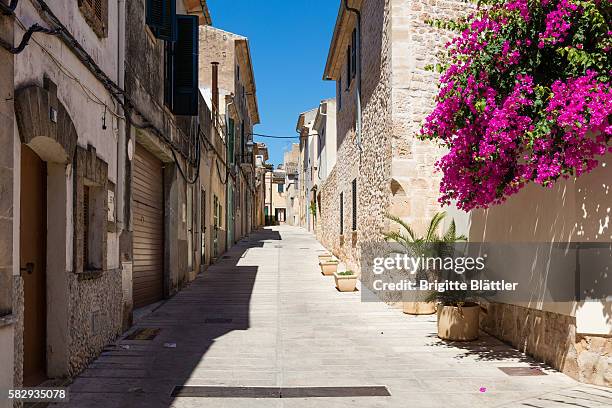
point(289, 41)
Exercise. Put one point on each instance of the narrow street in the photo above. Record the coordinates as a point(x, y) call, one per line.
point(264, 316)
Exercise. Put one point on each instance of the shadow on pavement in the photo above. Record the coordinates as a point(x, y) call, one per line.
point(143, 373)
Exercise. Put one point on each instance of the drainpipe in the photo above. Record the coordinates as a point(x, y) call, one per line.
point(215, 90)
point(358, 125)
point(122, 128)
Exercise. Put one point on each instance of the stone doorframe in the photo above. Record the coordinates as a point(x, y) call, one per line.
point(45, 126)
point(44, 123)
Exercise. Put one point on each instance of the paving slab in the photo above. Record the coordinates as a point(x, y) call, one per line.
point(265, 317)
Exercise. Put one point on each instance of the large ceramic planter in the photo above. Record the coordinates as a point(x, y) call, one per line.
point(328, 268)
point(458, 323)
point(419, 308)
point(345, 283)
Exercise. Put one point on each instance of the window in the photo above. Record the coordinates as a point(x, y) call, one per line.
point(348, 68)
point(231, 141)
point(354, 54)
point(96, 15)
point(181, 77)
point(161, 19)
point(341, 213)
point(354, 204)
point(281, 188)
point(339, 93)
point(90, 211)
point(93, 209)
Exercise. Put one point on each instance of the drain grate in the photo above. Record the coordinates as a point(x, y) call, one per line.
point(522, 371)
point(278, 246)
point(217, 320)
point(278, 392)
point(143, 334)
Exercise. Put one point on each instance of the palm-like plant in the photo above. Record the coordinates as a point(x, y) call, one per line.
point(431, 244)
point(411, 241)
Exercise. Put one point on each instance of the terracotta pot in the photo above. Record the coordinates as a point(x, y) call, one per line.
point(345, 283)
point(328, 268)
point(419, 308)
point(458, 323)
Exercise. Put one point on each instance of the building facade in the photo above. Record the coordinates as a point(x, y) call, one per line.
point(228, 81)
point(307, 168)
point(114, 172)
point(261, 156)
point(378, 57)
point(276, 197)
point(290, 164)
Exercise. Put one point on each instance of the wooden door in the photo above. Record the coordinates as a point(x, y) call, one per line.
point(32, 249)
point(148, 218)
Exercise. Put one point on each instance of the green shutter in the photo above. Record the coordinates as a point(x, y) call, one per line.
point(161, 19)
point(185, 67)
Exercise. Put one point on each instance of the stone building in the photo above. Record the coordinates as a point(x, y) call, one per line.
point(383, 92)
point(226, 74)
point(290, 164)
point(276, 196)
point(307, 168)
point(100, 210)
point(261, 156)
point(325, 127)
point(378, 55)
point(161, 251)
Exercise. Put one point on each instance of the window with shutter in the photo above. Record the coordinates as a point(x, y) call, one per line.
point(348, 68)
point(182, 68)
point(95, 13)
point(354, 54)
point(161, 19)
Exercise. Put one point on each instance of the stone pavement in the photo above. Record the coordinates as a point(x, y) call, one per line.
point(265, 317)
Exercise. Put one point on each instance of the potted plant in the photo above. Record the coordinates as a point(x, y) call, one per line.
point(328, 267)
point(431, 244)
point(345, 281)
point(458, 314)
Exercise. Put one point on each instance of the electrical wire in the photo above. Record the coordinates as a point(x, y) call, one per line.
point(35, 28)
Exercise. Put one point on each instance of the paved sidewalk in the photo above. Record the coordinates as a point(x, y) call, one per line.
point(289, 327)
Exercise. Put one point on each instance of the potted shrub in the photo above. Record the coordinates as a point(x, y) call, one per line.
point(458, 315)
point(329, 266)
point(429, 245)
point(345, 281)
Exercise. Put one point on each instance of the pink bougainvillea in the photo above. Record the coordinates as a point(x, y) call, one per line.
point(525, 97)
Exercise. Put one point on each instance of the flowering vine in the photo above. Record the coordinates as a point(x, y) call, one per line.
point(525, 96)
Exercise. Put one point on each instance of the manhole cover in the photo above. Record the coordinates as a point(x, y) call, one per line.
point(143, 334)
point(217, 320)
point(522, 371)
point(278, 392)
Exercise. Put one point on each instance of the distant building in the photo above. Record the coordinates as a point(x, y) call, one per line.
point(290, 164)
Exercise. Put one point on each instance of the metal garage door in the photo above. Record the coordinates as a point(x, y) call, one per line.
point(148, 216)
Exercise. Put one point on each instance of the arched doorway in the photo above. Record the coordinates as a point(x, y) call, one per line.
point(48, 145)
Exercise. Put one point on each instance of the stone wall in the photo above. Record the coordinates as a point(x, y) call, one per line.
point(416, 45)
point(551, 337)
point(18, 316)
point(95, 316)
point(369, 163)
